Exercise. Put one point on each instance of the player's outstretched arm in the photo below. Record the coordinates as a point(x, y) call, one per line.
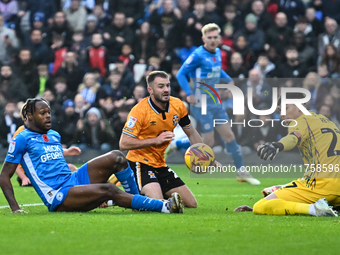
point(193, 135)
point(7, 172)
point(131, 143)
point(270, 150)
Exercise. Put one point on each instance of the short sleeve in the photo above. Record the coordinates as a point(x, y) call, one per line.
point(134, 122)
point(16, 149)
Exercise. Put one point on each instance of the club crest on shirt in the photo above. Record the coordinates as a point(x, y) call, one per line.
point(131, 122)
point(11, 147)
point(175, 119)
point(55, 138)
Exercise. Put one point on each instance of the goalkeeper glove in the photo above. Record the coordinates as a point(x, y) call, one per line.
point(269, 150)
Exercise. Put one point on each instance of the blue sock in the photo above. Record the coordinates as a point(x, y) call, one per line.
point(128, 181)
point(236, 153)
point(183, 143)
point(143, 203)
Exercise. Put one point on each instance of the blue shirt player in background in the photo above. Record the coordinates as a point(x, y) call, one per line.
point(204, 65)
point(39, 151)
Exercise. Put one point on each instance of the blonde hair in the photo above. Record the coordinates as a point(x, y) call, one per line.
point(210, 27)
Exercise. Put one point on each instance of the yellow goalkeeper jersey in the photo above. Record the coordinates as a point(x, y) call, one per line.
point(319, 145)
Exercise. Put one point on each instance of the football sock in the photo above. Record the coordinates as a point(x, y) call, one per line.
point(128, 181)
point(143, 203)
point(280, 207)
point(236, 153)
point(183, 143)
point(312, 210)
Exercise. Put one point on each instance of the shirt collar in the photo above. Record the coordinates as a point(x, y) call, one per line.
point(156, 109)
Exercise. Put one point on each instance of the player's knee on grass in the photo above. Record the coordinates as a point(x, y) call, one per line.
point(191, 204)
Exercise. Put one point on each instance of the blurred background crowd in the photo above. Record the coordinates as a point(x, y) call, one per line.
point(90, 58)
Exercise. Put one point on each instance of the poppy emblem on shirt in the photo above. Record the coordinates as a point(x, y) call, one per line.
point(45, 138)
point(214, 59)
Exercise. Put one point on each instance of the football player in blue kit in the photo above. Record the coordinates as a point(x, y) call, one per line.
point(204, 67)
point(39, 151)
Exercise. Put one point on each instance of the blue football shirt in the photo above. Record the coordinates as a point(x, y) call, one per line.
point(41, 156)
point(203, 66)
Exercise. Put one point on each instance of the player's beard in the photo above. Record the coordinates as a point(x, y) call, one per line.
point(161, 100)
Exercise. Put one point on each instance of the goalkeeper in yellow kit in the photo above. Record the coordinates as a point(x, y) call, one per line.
point(318, 140)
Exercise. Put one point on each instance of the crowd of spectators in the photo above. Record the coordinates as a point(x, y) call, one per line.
point(83, 56)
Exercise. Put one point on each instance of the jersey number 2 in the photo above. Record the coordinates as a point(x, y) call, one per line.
point(331, 152)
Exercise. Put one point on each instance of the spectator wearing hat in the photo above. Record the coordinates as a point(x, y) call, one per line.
point(67, 124)
point(45, 6)
point(94, 133)
point(76, 15)
point(90, 28)
point(8, 44)
point(254, 36)
point(227, 36)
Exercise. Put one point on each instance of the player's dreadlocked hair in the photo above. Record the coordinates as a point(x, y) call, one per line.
point(29, 106)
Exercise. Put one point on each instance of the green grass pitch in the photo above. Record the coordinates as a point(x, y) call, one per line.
point(209, 229)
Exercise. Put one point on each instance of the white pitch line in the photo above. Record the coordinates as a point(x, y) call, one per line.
point(6, 206)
